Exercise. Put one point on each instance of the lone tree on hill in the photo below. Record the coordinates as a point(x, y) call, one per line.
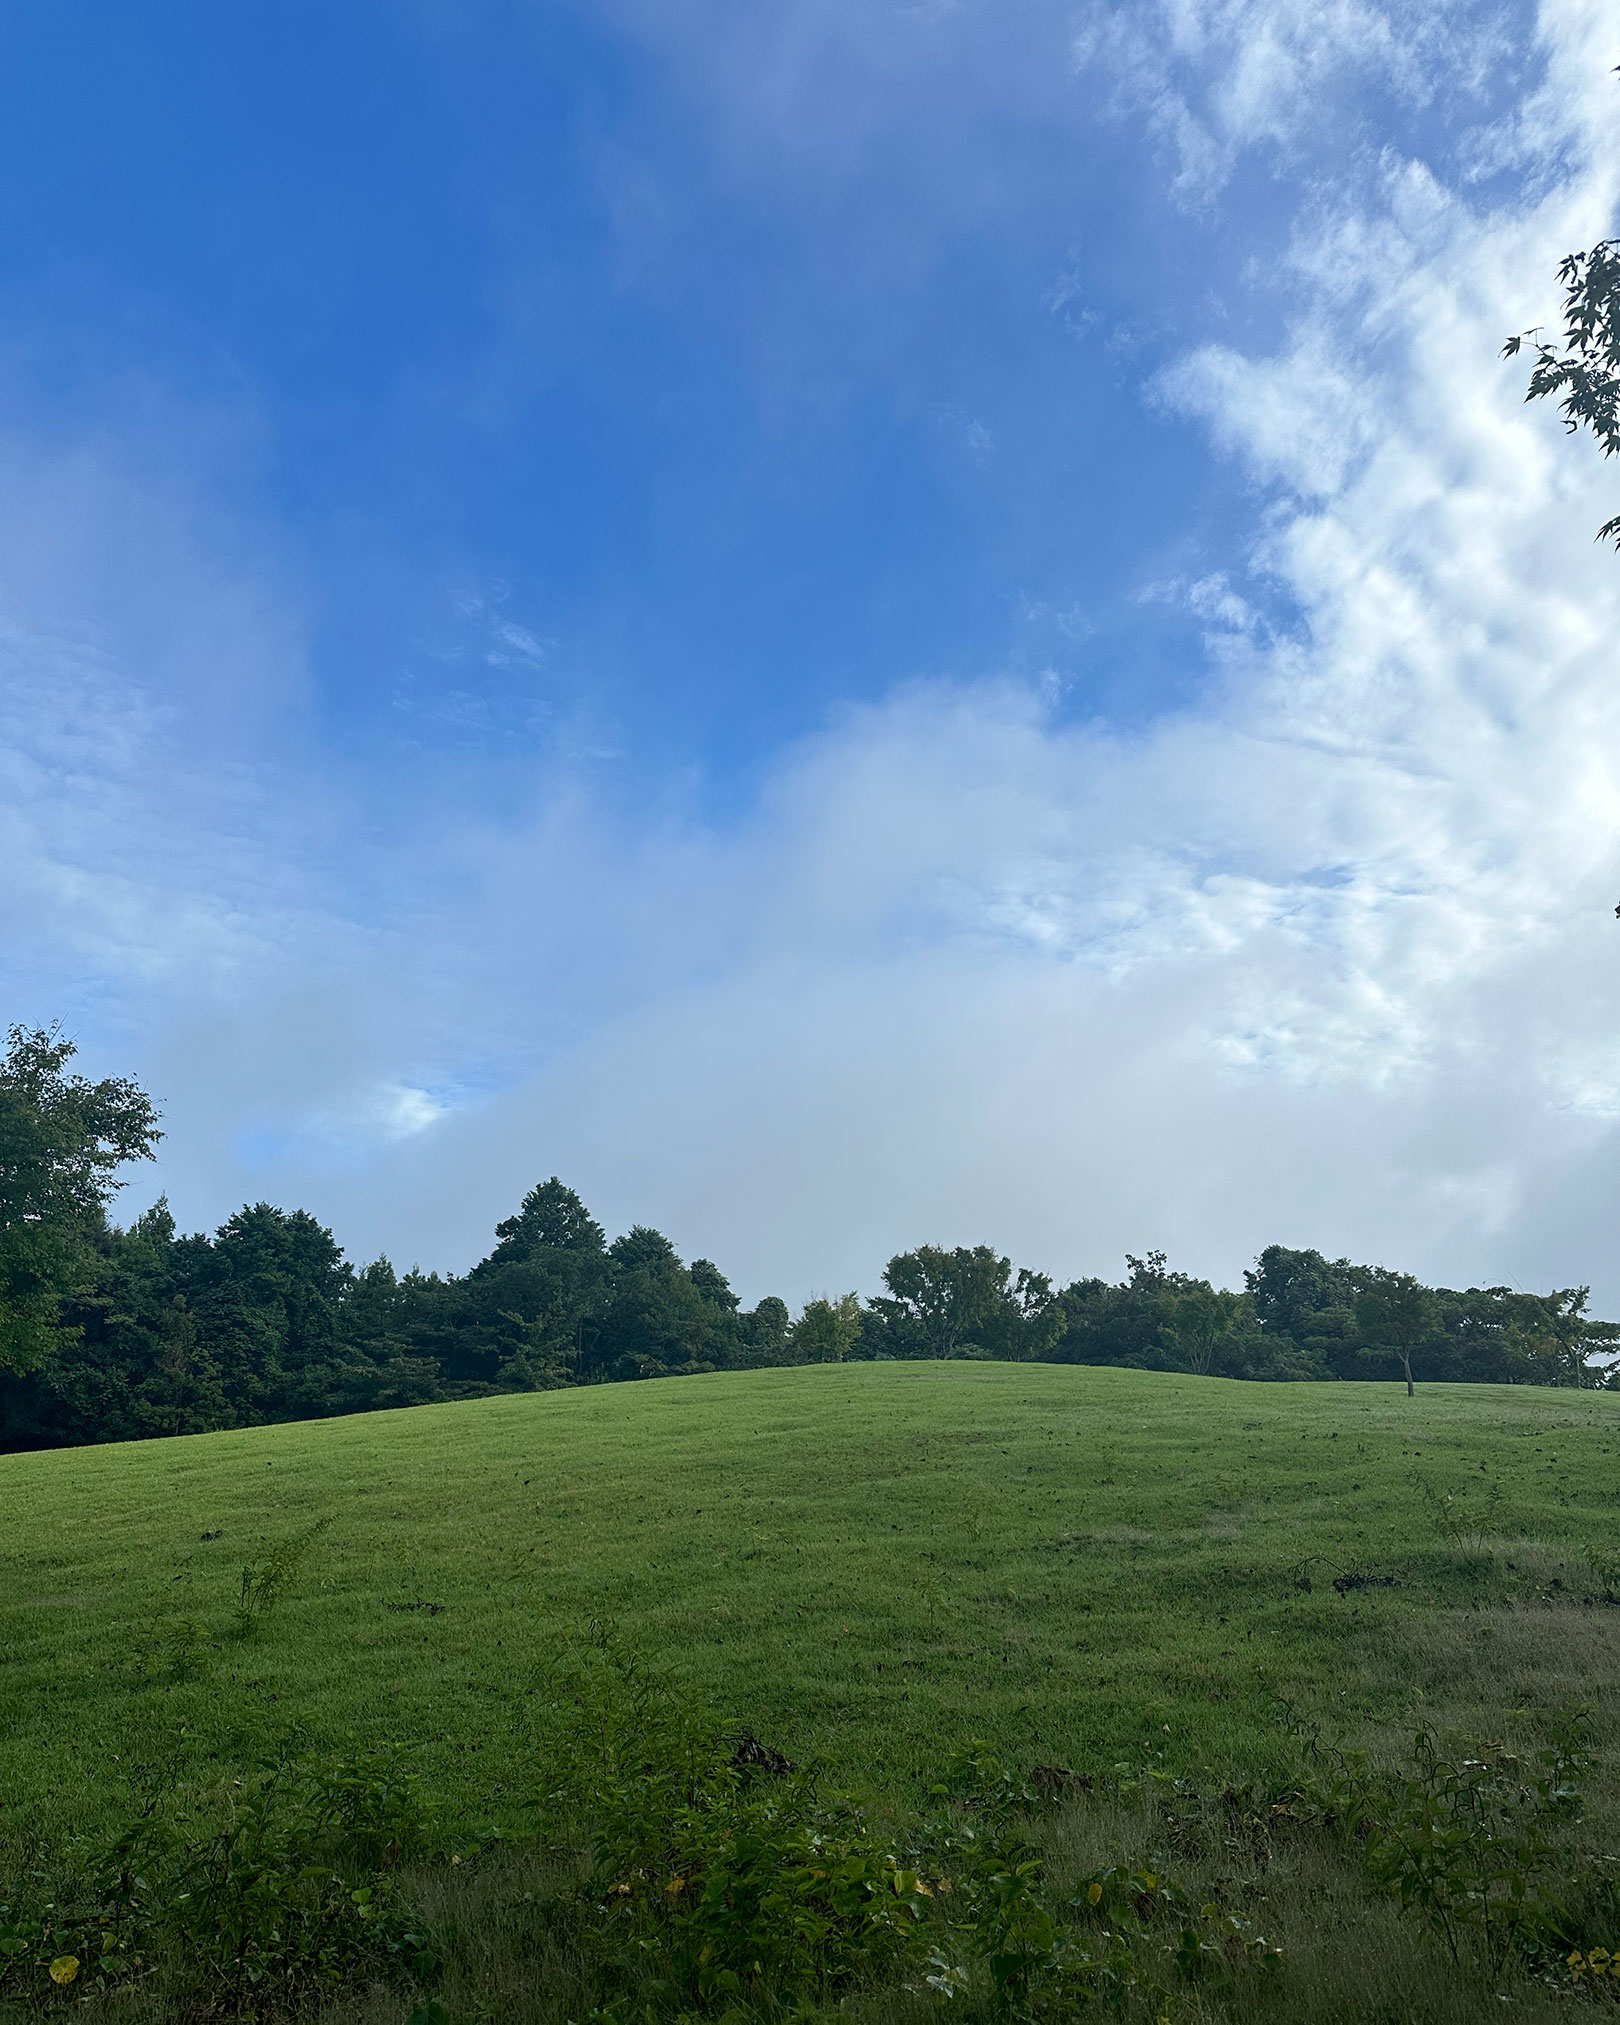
point(1397, 1316)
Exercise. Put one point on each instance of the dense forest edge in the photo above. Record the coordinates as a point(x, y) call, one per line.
point(112, 1333)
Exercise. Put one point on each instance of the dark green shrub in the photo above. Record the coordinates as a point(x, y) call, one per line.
point(730, 1885)
point(1125, 1939)
point(1464, 1839)
point(261, 1897)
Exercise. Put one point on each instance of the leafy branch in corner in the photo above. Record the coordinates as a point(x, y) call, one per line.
point(1582, 371)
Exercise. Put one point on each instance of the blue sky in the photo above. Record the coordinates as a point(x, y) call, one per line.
point(737, 421)
point(846, 623)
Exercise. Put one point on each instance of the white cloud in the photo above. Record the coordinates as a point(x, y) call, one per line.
point(1328, 959)
point(1215, 78)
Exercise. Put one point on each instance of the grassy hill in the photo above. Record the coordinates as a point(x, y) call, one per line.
point(863, 1564)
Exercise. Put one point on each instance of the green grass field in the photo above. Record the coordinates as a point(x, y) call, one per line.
point(865, 1565)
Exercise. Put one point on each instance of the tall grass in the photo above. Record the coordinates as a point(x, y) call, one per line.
point(673, 1870)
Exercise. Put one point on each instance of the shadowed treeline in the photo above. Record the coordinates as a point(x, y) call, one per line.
point(266, 1321)
point(110, 1334)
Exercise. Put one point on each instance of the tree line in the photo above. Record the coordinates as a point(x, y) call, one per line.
point(113, 1334)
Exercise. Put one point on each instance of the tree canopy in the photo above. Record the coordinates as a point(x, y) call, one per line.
point(62, 1140)
point(114, 1334)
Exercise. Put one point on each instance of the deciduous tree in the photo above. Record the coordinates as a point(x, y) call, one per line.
point(1582, 370)
point(827, 1329)
point(1397, 1315)
point(941, 1303)
point(62, 1140)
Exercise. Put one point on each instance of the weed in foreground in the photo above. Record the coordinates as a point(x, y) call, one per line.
point(719, 1876)
point(265, 1582)
point(252, 1900)
point(1127, 1938)
point(1467, 1840)
point(172, 1657)
point(676, 1870)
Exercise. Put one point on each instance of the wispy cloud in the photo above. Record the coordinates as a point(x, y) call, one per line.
point(1329, 958)
point(1217, 78)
